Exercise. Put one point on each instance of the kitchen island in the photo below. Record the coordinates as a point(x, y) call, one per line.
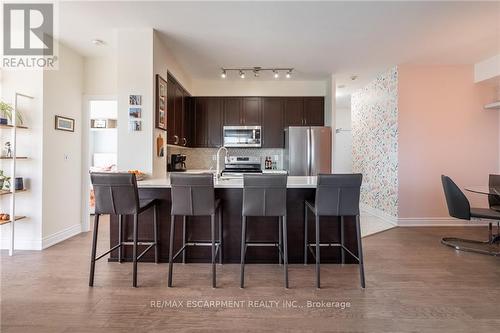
point(230, 191)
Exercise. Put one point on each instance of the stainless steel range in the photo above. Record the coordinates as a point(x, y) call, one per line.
point(236, 166)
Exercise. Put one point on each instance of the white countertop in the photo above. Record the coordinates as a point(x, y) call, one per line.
point(293, 182)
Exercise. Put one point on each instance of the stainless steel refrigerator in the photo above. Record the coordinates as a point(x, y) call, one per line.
point(308, 150)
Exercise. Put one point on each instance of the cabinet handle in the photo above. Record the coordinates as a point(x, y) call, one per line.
point(185, 141)
point(176, 139)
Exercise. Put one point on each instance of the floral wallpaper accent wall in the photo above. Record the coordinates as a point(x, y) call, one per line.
point(375, 141)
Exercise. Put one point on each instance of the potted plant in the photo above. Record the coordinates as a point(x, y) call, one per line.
point(4, 180)
point(6, 114)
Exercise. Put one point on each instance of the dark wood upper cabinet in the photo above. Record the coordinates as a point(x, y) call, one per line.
point(171, 93)
point(251, 113)
point(214, 121)
point(314, 109)
point(294, 111)
point(178, 113)
point(188, 118)
point(232, 111)
point(199, 122)
point(207, 116)
point(272, 129)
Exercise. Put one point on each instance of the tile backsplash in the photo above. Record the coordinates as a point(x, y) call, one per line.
point(204, 158)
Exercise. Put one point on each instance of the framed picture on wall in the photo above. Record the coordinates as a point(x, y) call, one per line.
point(64, 124)
point(161, 103)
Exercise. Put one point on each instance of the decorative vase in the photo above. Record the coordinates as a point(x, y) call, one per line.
point(19, 183)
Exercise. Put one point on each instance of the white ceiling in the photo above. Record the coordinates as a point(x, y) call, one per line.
point(317, 39)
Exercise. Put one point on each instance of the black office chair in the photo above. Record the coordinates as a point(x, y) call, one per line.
point(459, 207)
point(494, 200)
point(265, 195)
point(194, 195)
point(116, 193)
point(336, 195)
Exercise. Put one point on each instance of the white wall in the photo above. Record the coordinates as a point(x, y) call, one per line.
point(28, 231)
point(342, 151)
point(100, 77)
point(248, 87)
point(487, 69)
point(164, 62)
point(135, 77)
point(62, 151)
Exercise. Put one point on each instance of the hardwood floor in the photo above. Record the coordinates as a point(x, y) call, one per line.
point(414, 284)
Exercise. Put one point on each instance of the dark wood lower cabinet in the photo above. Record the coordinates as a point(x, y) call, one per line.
point(259, 229)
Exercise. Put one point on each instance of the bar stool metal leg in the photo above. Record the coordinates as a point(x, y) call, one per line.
point(317, 254)
point(184, 239)
point(220, 236)
point(120, 238)
point(280, 237)
point(212, 225)
point(155, 234)
point(94, 249)
point(285, 250)
point(134, 281)
point(171, 250)
point(305, 234)
point(360, 253)
point(243, 247)
point(342, 251)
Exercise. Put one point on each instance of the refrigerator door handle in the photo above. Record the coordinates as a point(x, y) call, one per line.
point(309, 151)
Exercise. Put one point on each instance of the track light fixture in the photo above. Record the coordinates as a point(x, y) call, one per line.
point(257, 71)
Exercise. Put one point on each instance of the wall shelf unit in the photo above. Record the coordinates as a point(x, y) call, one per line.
point(11, 158)
point(11, 126)
point(12, 191)
point(7, 192)
point(2, 222)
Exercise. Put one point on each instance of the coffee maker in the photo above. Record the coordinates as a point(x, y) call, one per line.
point(177, 162)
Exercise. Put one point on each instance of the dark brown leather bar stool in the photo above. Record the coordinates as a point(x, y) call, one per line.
point(265, 195)
point(116, 193)
point(336, 195)
point(193, 195)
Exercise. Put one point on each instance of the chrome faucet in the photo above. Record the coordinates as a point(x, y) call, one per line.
point(218, 172)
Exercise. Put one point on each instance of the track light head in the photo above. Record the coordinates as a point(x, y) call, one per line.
point(256, 71)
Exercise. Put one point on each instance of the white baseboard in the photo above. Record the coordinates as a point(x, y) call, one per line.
point(438, 222)
point(61, 235)
point(22, 244)
point(393, 220)
point(421, 221)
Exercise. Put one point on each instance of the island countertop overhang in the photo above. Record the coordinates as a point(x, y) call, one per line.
point(293, 182)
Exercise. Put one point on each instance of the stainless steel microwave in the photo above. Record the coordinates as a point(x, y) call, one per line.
point(242, 136)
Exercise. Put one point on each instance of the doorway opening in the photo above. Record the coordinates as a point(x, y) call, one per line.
point(101, 142)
